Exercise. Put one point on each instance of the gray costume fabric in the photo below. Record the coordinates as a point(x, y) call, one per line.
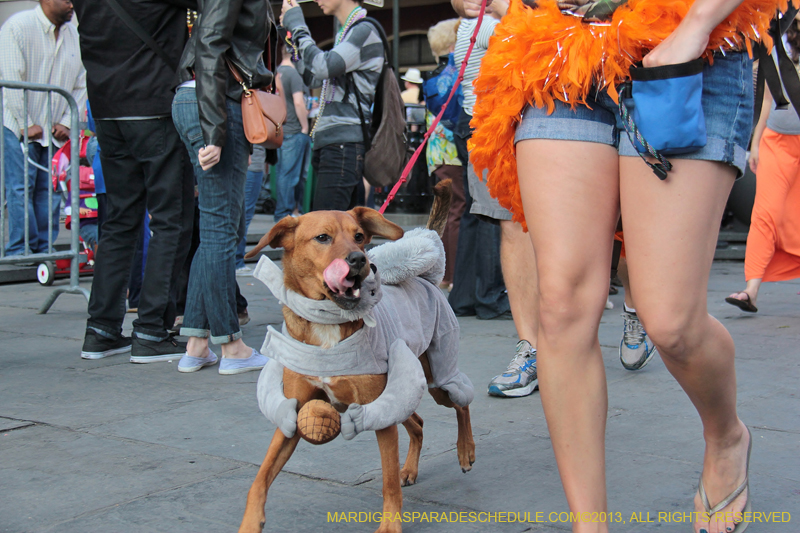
point(319, 311)
point(412, 317)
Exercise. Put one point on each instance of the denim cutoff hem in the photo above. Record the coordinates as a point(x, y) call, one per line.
point(206, 334)
point(727, 106)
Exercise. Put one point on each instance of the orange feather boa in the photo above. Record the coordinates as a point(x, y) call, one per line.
point(540, 55)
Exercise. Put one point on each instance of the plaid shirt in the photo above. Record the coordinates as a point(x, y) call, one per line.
point(30, 52)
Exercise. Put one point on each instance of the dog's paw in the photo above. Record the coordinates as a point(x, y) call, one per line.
point(466, 455)
point(408, 477)
point(286, 416)
point(352, 421)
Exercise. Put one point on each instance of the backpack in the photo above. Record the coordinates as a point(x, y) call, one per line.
point(437, 89)
point(385, 146)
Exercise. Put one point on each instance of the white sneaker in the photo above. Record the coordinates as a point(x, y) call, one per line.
point(635, 348)
point(244, 271)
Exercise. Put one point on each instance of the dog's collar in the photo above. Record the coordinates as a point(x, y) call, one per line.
point(320, 311)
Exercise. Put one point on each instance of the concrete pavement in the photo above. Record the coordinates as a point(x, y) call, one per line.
point(105, 445)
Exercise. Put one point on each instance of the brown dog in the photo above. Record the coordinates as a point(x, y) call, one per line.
point(316, 245)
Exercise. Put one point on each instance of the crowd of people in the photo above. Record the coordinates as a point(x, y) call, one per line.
point(542, 173)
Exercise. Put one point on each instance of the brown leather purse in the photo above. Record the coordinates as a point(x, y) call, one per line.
point(263, 114)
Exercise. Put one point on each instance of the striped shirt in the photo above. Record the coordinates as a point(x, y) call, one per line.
point(30, 52)
point(465, 31)
point(360, 53)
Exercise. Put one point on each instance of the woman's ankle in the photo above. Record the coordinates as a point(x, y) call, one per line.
point(731, 438)
point(236, 350)
point(197, 347)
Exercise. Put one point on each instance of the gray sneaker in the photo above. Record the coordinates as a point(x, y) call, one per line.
point(635, 348)
point(520, 378)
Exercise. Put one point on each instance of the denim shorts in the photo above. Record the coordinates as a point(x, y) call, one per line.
point(727, 105)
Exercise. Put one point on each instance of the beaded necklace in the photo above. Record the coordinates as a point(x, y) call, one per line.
point(327, 87)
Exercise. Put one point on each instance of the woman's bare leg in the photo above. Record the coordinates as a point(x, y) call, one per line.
point(671, 231)
point(571, 190)
point(622, 273)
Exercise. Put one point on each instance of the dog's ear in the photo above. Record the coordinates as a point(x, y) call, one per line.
point(280, 236)
point(376, 224)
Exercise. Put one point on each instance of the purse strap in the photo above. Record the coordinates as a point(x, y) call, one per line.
point(237, 76)
point(663, 165)
point(134, 26)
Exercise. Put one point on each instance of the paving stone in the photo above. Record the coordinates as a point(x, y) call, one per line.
point(106, 445)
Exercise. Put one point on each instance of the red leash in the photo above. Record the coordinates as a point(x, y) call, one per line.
point(413, 160)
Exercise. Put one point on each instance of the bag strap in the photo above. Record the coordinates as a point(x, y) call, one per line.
point(237, 76)
point(381, 33)
point(663, 165)
point(364, 128)
point(771, 75)
point(136, 28)
point(350, 80)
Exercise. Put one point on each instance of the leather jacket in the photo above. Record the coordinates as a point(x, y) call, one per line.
point(238, 30)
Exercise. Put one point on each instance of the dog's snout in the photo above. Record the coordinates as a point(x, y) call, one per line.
point(356, 261)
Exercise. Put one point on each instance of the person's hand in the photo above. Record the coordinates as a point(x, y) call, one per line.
point(34, 132)
point(753, 161)
point(498, 9)
point(208, 156)
point(686, 43)
point(469, 8)
point(61, 132)
point(287, 5)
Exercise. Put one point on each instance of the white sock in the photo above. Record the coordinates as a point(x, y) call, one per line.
point(628, 309)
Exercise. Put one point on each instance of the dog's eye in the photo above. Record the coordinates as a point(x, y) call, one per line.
point(359, 237)
point(323, 238)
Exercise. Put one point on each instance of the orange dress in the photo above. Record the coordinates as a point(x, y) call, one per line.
point(773, 244)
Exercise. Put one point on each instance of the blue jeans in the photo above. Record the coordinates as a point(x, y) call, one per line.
point(252, 189)
point(40, 210)
point(211, 298)
point(292, 163)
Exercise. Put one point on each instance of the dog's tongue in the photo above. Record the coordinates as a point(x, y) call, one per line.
point(336, 276)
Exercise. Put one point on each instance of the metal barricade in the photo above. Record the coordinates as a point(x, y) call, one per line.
point(74, 253)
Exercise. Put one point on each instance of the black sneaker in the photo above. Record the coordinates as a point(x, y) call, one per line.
point(96, 346)
point(144, 351)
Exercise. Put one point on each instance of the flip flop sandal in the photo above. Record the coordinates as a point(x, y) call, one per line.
point(741, 526)
point(744, 305)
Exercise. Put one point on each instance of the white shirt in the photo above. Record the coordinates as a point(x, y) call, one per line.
point(465, 31)
point(30, 52)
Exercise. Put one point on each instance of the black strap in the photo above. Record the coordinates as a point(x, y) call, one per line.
point(788, 75)
point(386, 51)
point(143, 35)
point(364, 129)
point(771, 75)
point(350, 80)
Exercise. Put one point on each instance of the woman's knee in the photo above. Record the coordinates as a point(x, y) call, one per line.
point(673, 332)
point(567, 303)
